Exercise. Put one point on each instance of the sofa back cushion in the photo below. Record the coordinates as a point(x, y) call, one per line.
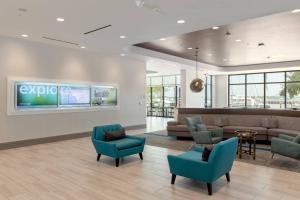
point(269, 122)
point(244, 120)
point(289, 123)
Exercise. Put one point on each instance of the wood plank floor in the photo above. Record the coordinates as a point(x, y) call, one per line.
point(68, 170)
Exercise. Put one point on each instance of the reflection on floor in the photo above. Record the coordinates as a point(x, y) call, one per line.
point(157, 123)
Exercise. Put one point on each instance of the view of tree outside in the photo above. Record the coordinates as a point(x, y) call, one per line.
point(277, 90)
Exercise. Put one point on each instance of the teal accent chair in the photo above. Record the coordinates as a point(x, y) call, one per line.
point(118, 148)
point(190, 164)
point(200, 133)
point(286, 145)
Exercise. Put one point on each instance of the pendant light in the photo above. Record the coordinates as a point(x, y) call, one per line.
point(196, 84)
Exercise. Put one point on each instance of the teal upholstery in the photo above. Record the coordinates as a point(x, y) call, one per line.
point(200, 133)
point(286, 145)
point(190, 164)
point(118, 148)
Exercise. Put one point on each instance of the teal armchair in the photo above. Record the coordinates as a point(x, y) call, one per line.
point(200, 133)
point(118, 148)
point(286, 145)
point(190, 164)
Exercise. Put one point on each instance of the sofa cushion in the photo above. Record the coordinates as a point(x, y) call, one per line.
point(244, 120)
point(276, 131)
point(220, 121)
point(126, 143)
point(232, 129)
point(269, 122)
point(178, 128)
point(289, 123)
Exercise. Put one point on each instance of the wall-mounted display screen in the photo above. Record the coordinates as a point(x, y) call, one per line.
point(72, 95)
point(104, 96)
point(35, 95)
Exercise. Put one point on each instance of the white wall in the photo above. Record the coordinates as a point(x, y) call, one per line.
point(21, 58)
point(220, 91)
point(191, 99)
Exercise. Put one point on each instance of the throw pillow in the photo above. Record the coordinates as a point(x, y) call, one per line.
point(201, 127)
point(206, 152)
point(297, 139)
point(115, 135)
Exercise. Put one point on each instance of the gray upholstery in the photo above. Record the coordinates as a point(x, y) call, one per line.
point(285, 145)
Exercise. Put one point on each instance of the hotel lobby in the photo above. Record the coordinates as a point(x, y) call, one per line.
point(150, 99)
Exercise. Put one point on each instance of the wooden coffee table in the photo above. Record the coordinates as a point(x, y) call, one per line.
point(246, 136)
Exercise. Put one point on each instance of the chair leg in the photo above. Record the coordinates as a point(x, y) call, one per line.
point(273, 155)
point(98, 157)
point(228, 177)
point(173, 179)
point(117, 162)
point(209, 188)
point(141, 156)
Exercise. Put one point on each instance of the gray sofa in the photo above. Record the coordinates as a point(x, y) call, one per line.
point(268, 123)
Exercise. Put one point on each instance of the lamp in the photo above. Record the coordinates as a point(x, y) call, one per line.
point(196, 84)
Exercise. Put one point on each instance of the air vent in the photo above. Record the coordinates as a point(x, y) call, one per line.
point(97, 29)
point(62, 41)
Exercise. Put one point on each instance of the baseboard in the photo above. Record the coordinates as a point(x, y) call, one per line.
point(30, 142)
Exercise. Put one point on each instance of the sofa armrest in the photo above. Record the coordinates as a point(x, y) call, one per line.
point(137, 138)
point(202, 137)
point(198, 170)
point(172, 123)
point(285, 147)
point(106, 148)
point(286, 137)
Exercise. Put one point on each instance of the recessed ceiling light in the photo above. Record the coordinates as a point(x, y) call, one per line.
point(225, 59)
point(24, 35)
point(238, 40)
point(190, 48)
point(181, 21)
point(60, 19)
point(162, 39)
point(83, 47)
point(122, 36)
point(215, 28)
point(123, 54)
point(209, 54)
point(296, 11)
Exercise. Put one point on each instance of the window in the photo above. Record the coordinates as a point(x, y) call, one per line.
point(276, 90)
point(208, 91)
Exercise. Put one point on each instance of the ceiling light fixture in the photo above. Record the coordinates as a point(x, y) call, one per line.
point(83, 47)
point(224, 59)
point(209, 54)
point(215, 28)
point(123, 54)
point(162, 39)
point(60, 19)
point(296, 11)
point(238, 40)
point(181, 21)
point(190, 48)
point(24, 35)
point(196, 84)
point(122, 36)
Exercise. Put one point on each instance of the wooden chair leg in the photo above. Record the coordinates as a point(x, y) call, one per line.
point(98, 157)
point(228, 177)
point(141, 156)
point(173, 179)
point(117, 162)
point(209, 188)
